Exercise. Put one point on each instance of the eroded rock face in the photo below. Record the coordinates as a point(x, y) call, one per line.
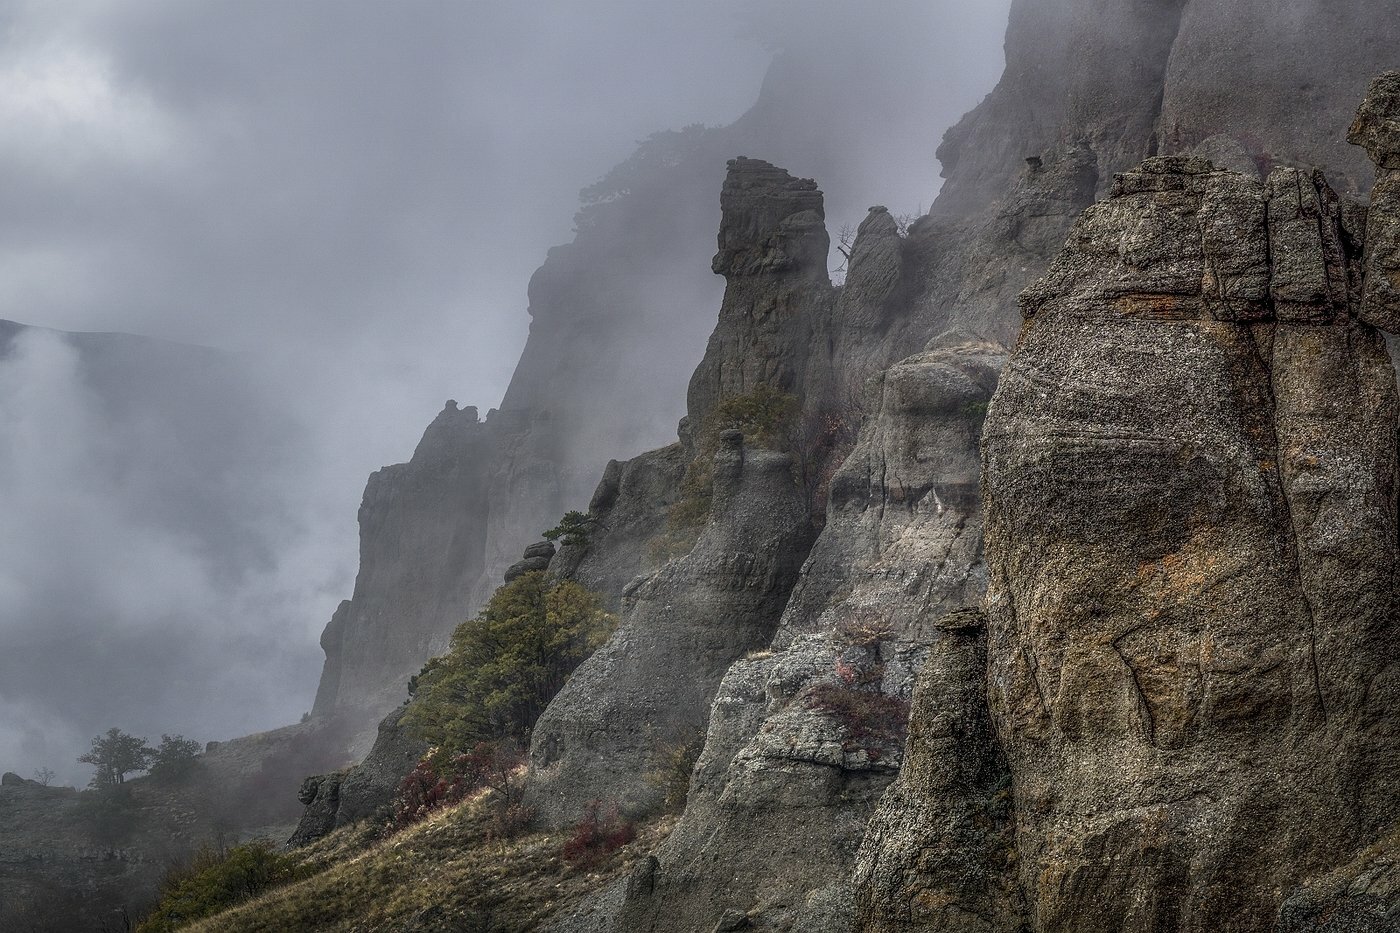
point(939, 852)
point(772, 253)
point(422, 529)
point(1189, 484)
point(362, 791)
point(803, 739)
point(1377, 129)
point(628, 511)
point(608, 733)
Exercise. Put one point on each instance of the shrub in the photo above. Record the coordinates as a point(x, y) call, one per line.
point(671, 775)
point(422, 791)
point(505, 665)
point(873, 721)
point(492, 766)
point(865, 629)
point(215, 880)
point(600, 833)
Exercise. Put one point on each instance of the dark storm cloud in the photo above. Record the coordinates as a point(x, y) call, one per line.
point(351, 194)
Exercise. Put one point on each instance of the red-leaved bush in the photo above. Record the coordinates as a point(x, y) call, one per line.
point(489, 765)
point(422, 791)
point(873, 722)
point(601, 832)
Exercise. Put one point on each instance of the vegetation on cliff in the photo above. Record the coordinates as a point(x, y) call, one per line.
point(505, 665)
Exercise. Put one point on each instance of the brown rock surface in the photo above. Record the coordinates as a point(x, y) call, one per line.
point(1189, 482)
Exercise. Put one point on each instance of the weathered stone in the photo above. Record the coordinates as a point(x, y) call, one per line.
point(1377, 125)
point(772, 252)
point(628, 512)
point(803, 740)
point(1191, 539)
point(528, 565)
point(545, 549)
point(1362, 896)
point(1381, 304)
point(320, 794)
point(1377, 128)
point(939, 853)
point(422, 531)
point(332, 639)
point(1282, 80)
point(607, 735)
point(363, 791)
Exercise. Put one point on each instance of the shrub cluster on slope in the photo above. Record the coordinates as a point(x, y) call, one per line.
point(217, 880)
point(505, 665)
point(449, 872)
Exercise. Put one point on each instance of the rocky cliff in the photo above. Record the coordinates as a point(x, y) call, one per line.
point(942, 853)
point(619, 320)
point(1189, 486)
point(1174, 712)
point(422, 536)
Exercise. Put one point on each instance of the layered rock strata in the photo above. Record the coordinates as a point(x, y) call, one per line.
point(1189, 485)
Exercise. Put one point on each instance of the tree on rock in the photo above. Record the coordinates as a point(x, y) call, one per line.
point(115, 755)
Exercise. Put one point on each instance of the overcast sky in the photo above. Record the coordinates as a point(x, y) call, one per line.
point(350, 196)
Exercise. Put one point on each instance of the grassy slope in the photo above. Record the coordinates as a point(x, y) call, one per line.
point(443, 874)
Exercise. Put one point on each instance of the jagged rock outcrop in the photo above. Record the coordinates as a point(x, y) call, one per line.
point(649, 689)
point(607, 735)
point(1257, 285)
point(1189, 485)
point(362, 791)
point(628, 512)
point(619, 319)
point(536, 559)
point(939, 852)
point(422, 532)
point(1377, 130)
point(772, 253)
point(332, 643)
point(810, 734)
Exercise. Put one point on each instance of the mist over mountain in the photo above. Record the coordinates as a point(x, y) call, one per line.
point(350, 199)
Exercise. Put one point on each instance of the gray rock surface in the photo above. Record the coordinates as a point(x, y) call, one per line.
point(648, 691)
point(628, 511)
point(363, 791)
point(1189, 482)
point(772, 252)
point(422, 533)
point(1377, 129)
point(939, 853)
point(804, 739)
point(607, 734)
point(1282, 80)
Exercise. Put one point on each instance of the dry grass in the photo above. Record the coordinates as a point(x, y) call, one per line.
point(445, 873)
